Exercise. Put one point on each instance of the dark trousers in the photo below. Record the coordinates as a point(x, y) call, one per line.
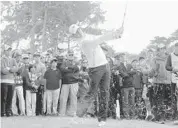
point(117, 87)
point(128, 99)
point(138, 95)
point(7, 91)
point(100, 80)
point(162, 100)
point(39, 101)
point(174, 101)
point(112, 103)
point(151, 96)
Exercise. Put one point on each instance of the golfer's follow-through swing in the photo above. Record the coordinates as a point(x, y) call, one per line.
point(99, 70)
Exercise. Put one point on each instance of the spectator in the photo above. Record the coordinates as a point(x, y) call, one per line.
point(118, 82)
point(145, 66)
point(84, 88)
point(25, 67)
point(41, 97)
point(128, 91)
point(137, 81)
point(31, 90)
point(84, 83)
point(53, 85)
point(18, 92)
point(31, 61)
point(43, 58)
point(70, 75)
point(138, 85)
point(48, 58)
point(162, 81)
point(172, 66)
point(8, 68)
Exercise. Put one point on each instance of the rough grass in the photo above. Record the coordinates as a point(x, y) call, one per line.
point(69, 122)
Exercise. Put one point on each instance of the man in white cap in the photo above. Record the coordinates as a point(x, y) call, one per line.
point(99, 69)
point(40, 70)
point(8, 68)
point(18, 92)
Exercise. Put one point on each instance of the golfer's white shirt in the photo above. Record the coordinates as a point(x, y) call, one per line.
point(93, 53)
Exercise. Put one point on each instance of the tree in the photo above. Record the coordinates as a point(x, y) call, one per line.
point(174, 36)
point(46, 22)
point(160, 40)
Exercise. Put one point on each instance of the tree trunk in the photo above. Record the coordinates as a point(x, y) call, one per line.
point(18, 43)
point(44, 30)
point(32, 33)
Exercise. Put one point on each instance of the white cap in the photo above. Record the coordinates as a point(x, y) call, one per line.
point(73, 28)
point(25, 56)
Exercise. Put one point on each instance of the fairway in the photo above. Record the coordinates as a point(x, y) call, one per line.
point(67, 122)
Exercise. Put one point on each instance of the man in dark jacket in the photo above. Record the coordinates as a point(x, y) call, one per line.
point(70, 77)
point(127, 91)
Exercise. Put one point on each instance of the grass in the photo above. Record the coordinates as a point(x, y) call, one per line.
point(69, 122)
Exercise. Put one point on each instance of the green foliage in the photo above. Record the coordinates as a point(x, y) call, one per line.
point(27, 20)
point(162, 40)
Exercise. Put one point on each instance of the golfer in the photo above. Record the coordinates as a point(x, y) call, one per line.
point(99, 70)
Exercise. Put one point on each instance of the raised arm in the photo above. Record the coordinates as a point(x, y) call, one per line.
point(106, 37)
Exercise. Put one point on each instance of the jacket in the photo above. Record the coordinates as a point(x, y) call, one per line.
point(18, 75)
point(29, 82)
point(161, 75)
point(126, 73)
point(138, 80)
point(70, 73)
point(7, 76)
point(172, 63)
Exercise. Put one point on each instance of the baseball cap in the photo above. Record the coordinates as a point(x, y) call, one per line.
point(25, 56)
point(73, 28)
point(49, 51)
point(54, 59)
point(36, 54)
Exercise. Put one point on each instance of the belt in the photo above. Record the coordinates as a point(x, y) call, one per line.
point(102, 66)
